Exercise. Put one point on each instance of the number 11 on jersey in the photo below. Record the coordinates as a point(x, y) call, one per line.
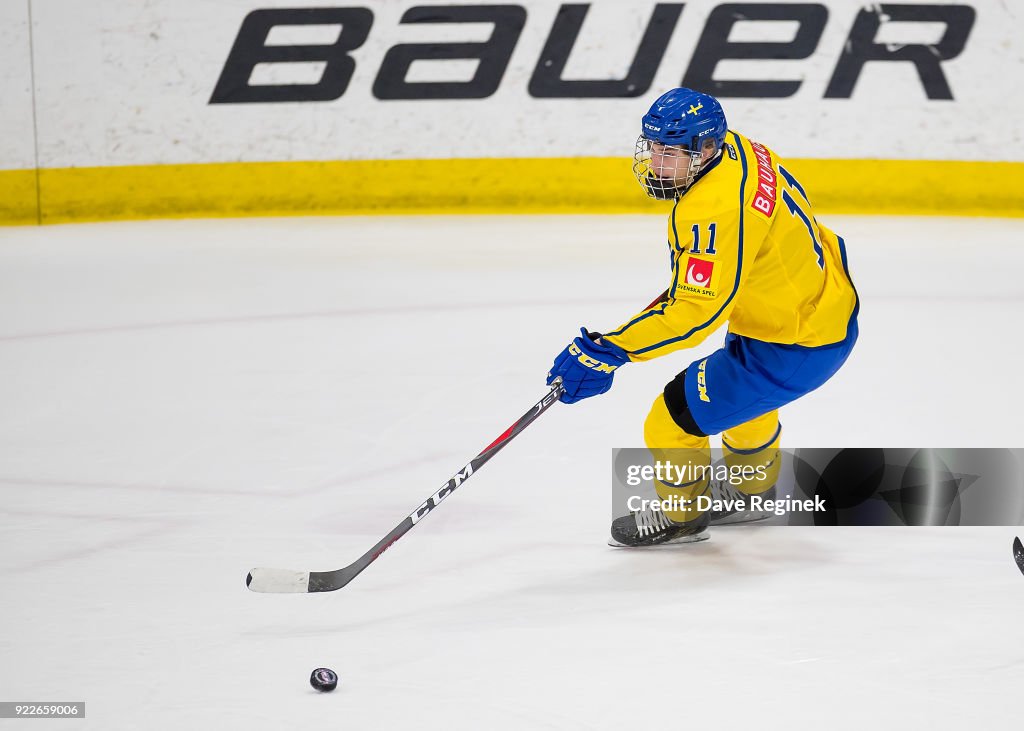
point(695, 247)
point(796, 210)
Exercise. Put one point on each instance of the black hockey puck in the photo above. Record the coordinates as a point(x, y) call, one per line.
point(324, 680)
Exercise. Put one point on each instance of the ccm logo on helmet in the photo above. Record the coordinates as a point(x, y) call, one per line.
point(858, 48)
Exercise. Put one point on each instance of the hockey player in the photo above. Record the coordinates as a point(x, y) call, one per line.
point(746, 250)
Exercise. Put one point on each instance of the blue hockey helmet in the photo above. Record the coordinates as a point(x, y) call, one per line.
point(677, 134)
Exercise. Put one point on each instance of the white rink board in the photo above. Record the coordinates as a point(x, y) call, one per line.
point(17, 146)
point(125, 83)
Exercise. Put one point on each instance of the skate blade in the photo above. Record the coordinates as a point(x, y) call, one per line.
point(740, 518)
point(667, 544)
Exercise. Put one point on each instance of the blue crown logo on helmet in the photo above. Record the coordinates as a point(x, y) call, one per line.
point(677, 135)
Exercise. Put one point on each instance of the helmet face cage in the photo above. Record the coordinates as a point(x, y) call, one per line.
point(664, 171)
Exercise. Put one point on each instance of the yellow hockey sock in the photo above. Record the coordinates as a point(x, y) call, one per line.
point(685, 460)
point(752, 453)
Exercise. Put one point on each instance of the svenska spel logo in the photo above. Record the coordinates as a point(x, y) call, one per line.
point(699, 271)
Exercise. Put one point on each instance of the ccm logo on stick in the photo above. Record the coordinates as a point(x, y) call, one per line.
point(860, 47)
point(434, 500)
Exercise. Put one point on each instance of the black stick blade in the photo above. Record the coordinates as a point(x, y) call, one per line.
point(1018, 553)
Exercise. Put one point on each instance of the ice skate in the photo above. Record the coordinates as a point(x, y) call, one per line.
point(727, 497)
point(645, 528)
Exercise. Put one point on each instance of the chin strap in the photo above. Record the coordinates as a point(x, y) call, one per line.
point(660, 189)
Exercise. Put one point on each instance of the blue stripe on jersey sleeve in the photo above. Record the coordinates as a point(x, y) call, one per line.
point(635, 320)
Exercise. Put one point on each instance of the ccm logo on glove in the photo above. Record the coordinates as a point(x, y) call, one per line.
point(586, 367)
point(590, 362)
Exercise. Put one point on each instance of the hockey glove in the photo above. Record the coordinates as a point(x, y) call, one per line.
point(586, 368)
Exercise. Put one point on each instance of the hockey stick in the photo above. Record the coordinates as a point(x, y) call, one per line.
point(1018, 553)
point(284, 581)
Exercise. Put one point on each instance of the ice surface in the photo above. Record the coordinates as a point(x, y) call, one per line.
point(182, 401)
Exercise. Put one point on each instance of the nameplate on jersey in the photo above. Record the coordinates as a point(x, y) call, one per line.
point(699, 277)
point(767, 184)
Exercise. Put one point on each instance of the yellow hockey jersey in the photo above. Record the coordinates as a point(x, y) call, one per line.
point(747, 249)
